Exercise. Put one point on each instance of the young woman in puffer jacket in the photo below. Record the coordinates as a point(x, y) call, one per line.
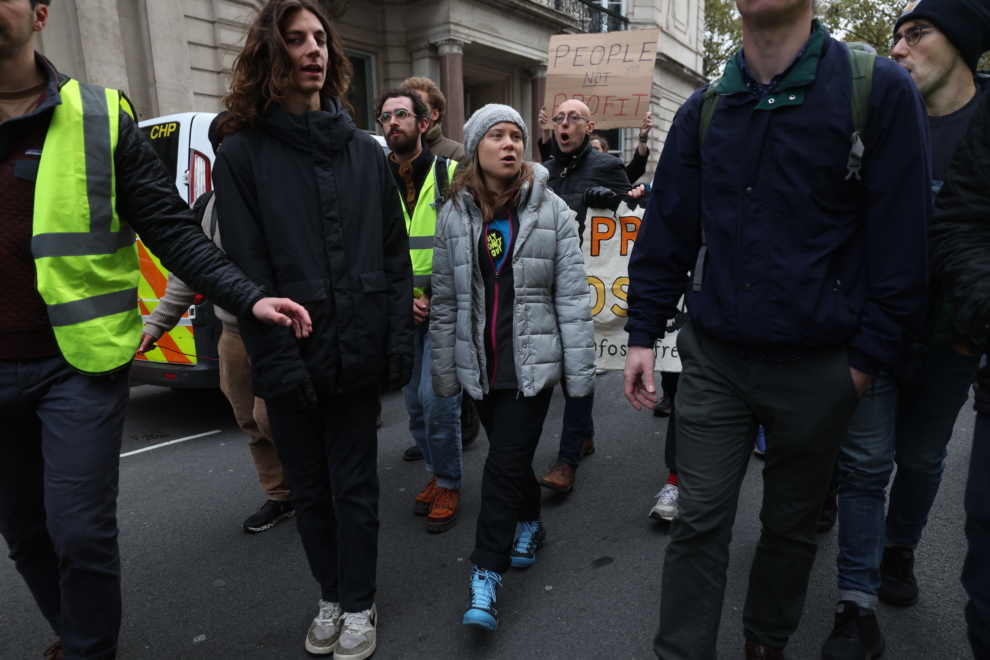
point(510, 318)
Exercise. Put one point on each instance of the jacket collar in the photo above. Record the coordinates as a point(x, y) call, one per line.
point(434, 135)
point(331, 122)
point(801, 72)
point(55, 82)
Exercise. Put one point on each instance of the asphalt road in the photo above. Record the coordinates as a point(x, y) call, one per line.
point(196, 586)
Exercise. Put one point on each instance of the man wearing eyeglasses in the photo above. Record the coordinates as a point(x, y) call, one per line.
point(422, 179)
point(576, 168)
point(908, 418)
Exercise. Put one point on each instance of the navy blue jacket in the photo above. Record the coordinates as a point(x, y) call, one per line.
point(797, 254)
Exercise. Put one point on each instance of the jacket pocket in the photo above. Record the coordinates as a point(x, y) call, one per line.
point(27, 169)
point(374, 282)
point(304, 291)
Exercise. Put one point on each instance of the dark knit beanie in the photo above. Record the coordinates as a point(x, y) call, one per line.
point(966, 24)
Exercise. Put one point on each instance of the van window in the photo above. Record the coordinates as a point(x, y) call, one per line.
point(165, 140)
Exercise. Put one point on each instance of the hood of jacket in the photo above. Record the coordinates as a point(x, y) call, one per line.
point(330, 125)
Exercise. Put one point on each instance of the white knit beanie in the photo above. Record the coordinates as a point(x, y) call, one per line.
point(485, 118)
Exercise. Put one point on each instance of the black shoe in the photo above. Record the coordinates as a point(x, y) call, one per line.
point(898, 585)
point(663, 407)
point(470, 422)
point(830, 513)
point(412, 454)
point(856, 635)
point(270, 514)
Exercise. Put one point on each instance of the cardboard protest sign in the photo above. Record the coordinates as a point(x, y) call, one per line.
point(607, 237)
point(611, 72)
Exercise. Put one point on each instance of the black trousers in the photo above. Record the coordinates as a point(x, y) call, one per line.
point(510, 493)
point(330, 458)
point(60, 435)
point(668, 382)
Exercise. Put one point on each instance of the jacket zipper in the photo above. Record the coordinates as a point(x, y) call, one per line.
point(498, 272)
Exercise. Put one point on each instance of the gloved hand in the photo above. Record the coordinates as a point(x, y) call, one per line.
point(300, 396)
point(398, 370)
point(597, 197)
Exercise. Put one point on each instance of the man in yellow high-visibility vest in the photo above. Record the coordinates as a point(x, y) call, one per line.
point(78, 179)
point(422, 178)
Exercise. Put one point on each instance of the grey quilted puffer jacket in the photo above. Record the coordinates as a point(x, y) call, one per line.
point(553, 335)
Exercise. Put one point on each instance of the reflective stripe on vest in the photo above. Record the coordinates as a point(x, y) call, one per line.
point(422, 229)
point(85, 259)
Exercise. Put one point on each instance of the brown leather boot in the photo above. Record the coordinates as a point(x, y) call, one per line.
point(588, 447)
point(424, 501)
point(756, 651)
point(560, 478)
point(443, 513)
point(54, 652)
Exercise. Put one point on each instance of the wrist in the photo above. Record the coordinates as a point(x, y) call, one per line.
point(643, 138)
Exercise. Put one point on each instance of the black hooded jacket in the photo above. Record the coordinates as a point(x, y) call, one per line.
point(308, 207)
point(583, 169)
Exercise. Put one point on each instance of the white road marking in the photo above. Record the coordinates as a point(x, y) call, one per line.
point(170, 442)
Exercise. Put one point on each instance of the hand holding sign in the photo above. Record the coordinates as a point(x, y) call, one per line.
point(611, 72)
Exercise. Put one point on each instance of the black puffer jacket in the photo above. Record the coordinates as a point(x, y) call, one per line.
point(583, 169)
point(960, 236)
point(308, 207)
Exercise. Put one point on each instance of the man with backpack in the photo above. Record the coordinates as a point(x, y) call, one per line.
point(423, 180)
point(796, 227)
point(250, 411)
point(908, 418)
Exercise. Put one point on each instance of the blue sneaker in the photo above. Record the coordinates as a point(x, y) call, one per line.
point(760, 444)
point(529, 537)
point(481, 610)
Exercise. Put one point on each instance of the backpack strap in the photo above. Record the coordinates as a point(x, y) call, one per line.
point(441, 181)
point(861, 70)
point(709, 101)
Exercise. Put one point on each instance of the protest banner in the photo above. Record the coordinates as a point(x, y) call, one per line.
point(607, 237)
point(611, 72)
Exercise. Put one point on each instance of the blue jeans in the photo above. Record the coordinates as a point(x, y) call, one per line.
point(579, 425)
point(60, 435)
point(976, 569)
point(907, 419)
point(435, 422)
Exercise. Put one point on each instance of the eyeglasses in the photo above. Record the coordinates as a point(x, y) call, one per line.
point(399, 114)
point(912, 35)
point(573, 119)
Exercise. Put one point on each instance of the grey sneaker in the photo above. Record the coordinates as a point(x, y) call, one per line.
point(666, 506)
point(325, 629)
point(359, 637)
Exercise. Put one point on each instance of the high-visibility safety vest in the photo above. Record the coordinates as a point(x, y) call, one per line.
point(85, 258)
point(422, 226)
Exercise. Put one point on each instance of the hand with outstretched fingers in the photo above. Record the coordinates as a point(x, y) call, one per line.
point(283, 311)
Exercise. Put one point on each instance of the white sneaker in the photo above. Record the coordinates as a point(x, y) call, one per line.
point(359, 636)
point(666, 506)
point(325, 629)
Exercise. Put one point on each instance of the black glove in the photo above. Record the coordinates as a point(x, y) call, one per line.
point(597, 197)
point(300, 396)
point(398, 370)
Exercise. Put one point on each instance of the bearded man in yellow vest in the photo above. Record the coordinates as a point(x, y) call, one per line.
point(78, 179)
point(422, 179)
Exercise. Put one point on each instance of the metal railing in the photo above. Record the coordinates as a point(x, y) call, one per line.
point(589, 16)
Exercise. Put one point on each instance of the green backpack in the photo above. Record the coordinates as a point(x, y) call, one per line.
point(861, 71)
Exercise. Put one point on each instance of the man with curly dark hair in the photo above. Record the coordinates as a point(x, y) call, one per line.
point(307, 205)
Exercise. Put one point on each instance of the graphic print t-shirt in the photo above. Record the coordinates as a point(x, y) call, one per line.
point(499, 240)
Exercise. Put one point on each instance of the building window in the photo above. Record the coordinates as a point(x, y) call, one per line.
point(362, 89)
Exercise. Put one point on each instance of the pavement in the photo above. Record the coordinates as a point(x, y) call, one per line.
point(196, 586)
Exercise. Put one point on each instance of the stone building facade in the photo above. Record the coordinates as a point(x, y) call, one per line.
point(174, 55)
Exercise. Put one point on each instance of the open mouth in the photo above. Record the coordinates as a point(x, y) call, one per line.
point(508, 159)
point(313, 70)
point(564, 138)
